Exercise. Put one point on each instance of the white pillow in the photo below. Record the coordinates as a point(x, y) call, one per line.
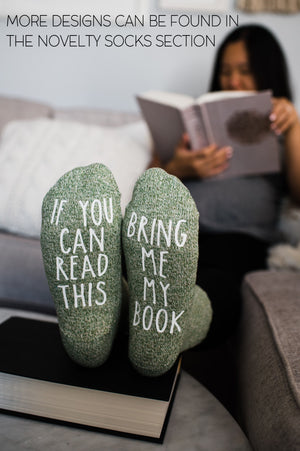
point(35, 153)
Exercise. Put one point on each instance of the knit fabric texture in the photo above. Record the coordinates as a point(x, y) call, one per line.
point(81, 247)
point(167, 312)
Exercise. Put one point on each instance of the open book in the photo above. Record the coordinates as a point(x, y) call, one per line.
point(239, 119)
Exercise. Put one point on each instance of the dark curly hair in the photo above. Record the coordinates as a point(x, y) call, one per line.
point(266, 59)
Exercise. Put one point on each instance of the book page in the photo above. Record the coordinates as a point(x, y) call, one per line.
point(220, 95)
point(168, 98)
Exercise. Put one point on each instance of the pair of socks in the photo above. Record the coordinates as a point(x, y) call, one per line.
point(82, 238)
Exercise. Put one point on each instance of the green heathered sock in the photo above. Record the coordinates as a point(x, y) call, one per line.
point(81, 246)
point(199, 319)
point(168, 313)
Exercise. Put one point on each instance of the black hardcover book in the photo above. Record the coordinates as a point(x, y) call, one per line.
point(38, 378)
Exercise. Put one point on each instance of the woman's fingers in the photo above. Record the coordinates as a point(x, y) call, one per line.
point(202, 163)
point(283, 116)
point(212, 160)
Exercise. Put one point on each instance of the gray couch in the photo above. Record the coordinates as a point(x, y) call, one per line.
point(268, 340)
point(268, 357)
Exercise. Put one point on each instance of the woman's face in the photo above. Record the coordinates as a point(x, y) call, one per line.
point(235, 73)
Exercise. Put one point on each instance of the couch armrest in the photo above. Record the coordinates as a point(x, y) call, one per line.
point(269, 360)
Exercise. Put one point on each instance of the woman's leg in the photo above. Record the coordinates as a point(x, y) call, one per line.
point(223, 262)
point(224, 259)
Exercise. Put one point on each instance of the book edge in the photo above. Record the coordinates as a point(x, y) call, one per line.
point(48, 402)
point(168, 99)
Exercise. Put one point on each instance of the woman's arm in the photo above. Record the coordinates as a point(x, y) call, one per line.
point(285, 121)
point(202, 163)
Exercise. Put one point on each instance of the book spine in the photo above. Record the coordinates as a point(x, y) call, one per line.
point(194, 126)
point(207, 124)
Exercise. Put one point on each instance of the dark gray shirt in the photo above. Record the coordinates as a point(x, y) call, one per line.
point(245, 205)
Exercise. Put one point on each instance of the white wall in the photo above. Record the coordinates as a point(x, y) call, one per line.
point(109, 77)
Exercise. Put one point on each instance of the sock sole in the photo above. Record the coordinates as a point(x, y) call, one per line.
point(160, 241)
point(81, 247)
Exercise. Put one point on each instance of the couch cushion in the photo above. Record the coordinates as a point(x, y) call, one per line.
point(35, 153)
point(23, 282)
point(269, 360)
point(11, 109)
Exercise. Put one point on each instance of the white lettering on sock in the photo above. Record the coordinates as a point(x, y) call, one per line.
point(90, 287)
point(73, 263)
point(59, 269)
point(87, 267)
point(157, 320)
point(131, 225)
point(152, 231)
point(150, 285)
point(61, 241)
point(141, 230)
point(64, 288)
point(96, 212)
point(164, 288)
point(148, 326)
point(148, 255)
point(174, 321)
point(167, 234)
point(162, 260)
point(78, 242)
point(99, 241)
point(60, 209)
point(136, 317)
point(159, 233)
point(183, 235)
point(54, 211)
point(84, 213)
point(79, 296)
point(101, 271)
point(154, 261)
point(98, 286)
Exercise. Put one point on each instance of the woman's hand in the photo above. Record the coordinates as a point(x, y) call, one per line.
point(284, 115)
point(202, 163)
